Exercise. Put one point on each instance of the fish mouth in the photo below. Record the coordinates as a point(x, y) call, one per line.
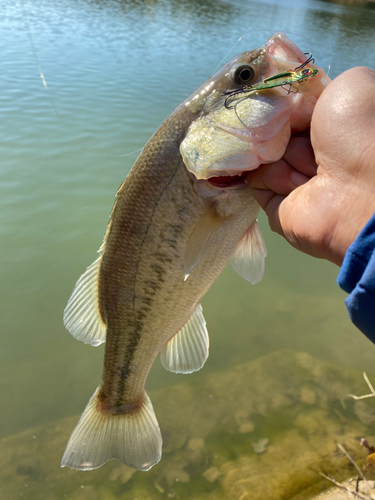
point(227, 181)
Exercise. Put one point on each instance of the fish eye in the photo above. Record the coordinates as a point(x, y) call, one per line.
point(243, 74)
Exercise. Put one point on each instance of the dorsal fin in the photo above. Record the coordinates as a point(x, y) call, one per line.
point(82, 315)
point(187, 351)
point(201, 239)
point(248, 258)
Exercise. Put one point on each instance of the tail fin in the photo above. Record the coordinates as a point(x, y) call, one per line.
point(135, 439)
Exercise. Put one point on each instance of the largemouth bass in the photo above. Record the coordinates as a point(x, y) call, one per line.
point(181, 214)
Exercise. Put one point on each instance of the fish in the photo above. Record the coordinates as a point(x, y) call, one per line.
point(183, 212)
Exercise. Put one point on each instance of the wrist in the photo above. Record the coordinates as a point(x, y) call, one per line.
point(354, 212)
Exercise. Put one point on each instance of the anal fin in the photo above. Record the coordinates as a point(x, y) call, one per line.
point(248, 258)
point(187, 350)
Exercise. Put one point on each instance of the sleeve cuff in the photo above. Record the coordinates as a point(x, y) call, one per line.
point(357, 277)
point(357, 257)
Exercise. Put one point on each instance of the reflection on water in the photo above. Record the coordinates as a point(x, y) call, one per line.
point(355, 23)
point(114, 71)
point(362, 4)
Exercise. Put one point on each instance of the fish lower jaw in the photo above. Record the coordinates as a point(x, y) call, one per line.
point(228, 181)
point(232, 179)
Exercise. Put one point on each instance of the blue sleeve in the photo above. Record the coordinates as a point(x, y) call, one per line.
point(357, 277)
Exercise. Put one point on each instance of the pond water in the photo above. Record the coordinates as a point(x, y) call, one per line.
point(113, 71)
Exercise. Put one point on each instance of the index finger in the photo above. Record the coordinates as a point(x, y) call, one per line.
point(300, 155)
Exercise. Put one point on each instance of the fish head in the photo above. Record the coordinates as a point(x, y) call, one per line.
point(234, 130)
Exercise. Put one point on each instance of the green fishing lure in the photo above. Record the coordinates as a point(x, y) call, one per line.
point(298, 75)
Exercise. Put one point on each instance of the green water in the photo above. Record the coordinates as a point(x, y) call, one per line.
point(114, 71)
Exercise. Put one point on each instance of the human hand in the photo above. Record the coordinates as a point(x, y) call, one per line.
point(321, 209)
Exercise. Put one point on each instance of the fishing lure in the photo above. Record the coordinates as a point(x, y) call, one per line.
point(298, 75)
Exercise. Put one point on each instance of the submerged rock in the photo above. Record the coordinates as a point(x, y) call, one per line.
point(176, 472)
point(212, 474)
point(246, 427)
point(308, 396)
point(260, 446)
point(122, 473)
point(195, 444)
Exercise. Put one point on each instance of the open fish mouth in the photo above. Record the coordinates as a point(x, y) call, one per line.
point(226, 181)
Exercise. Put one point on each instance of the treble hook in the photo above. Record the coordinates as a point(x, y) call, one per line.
point(231, 93)
point(310, 59)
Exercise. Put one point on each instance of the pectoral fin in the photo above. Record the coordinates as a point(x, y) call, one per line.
point(201, 239)
point(248, 258)
point(82, 315)
point(187, 351)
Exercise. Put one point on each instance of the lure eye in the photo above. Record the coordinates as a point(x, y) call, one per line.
point(243, 74)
